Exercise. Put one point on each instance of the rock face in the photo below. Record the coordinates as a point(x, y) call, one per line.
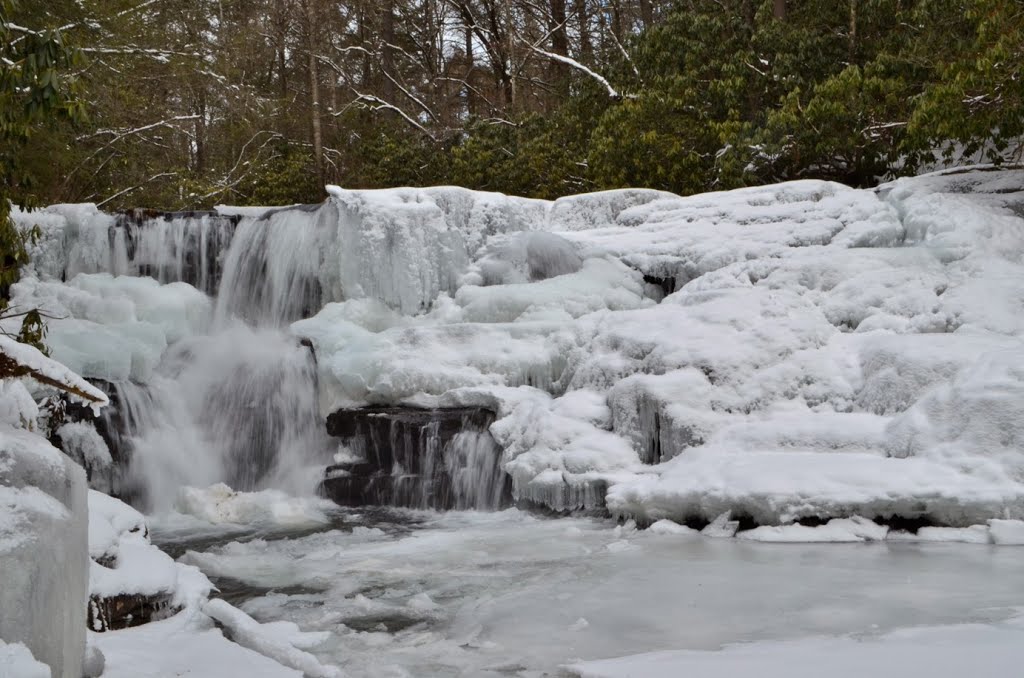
point(417, 458)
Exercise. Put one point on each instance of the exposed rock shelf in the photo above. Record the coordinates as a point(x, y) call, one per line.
point(418, 458)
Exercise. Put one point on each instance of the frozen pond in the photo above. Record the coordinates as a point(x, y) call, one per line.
point(514, 594)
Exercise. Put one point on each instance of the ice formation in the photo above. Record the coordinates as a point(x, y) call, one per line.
point(43, 551)
point(801, 351)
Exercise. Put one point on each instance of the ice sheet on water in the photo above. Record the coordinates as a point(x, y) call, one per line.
point(937, 652)
point(369, 590)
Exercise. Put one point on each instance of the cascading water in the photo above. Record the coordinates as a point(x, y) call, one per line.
point(239, 404)
point(186, 247)
point(417, 458)
point(271, 271)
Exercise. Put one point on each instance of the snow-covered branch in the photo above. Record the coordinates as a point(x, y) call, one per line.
point(375, 103)
point(612, 92)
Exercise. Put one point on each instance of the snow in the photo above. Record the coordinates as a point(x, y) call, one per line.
point(1006, 531)
point(16, 661)
point(975, 534)
point(31, 358)
point(937, 652)
point(781, 486)
point(854, 529)
point(187, 645)
point(247, 632)
point(668, 527)
point(119, 533)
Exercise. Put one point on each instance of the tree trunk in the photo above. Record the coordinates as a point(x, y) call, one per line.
point(387, 55)
point(470, 93)
point(586, 47)
point(646, 13)
point(560, 46)
point(314, 92)
point(779, 10)
point(852, 47)
point(281, 24)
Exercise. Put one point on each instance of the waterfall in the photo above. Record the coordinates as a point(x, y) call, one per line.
point(417, 458)
point(170, 247)
point(272, 270)
point(239, 404)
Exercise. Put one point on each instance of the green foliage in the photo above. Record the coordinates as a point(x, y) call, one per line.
point(33, 88)
point(978, 97)
point(716, 94)
point(286, 178)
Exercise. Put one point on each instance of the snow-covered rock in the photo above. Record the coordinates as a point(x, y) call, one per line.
point(131, 581)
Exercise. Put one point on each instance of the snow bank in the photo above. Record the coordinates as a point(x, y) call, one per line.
point(269, 641)
point(16, 661)
point(182, 645)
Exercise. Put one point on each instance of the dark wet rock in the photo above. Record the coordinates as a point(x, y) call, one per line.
point(111, 425)
point(417, 458)
point(127, 610)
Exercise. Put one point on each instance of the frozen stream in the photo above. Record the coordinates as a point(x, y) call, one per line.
point(510, 593)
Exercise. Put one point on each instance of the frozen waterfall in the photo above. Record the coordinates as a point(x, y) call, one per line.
point(231, 395)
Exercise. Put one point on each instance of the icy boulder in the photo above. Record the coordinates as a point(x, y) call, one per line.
point(597, 284)
point(43, 551)
point(526, 256)
point(594, 210)
point(113, 328)
point(405, 246)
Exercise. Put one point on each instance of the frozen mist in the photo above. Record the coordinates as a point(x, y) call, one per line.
point(791, 364)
